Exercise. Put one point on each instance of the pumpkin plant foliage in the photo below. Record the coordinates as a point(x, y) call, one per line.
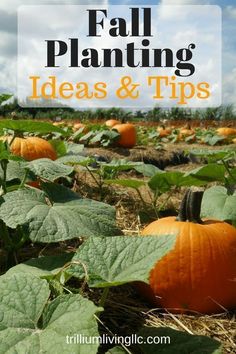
point(30, 126)
point(57, 214)
point(219, 203)
point(31, 323)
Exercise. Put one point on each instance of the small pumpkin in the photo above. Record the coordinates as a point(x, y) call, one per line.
point(163, 131)
point(110, 123)
point(225, 131)
point(59, 124)
point(33, 148)
point(199, 273)
point(187, 132)
point(78, 126)
point(128, 136)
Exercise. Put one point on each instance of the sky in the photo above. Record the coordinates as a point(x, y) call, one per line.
point(8, 37)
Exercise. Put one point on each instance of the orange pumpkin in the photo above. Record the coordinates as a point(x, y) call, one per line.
point(199, 273)
point(163, 131)
point(78, 126)
point(112, 122)
point(58, 124)
point(224, 131)
point(33, 148)
point(128, 135)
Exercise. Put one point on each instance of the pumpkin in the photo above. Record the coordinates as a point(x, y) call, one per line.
point(163, 131)
point(224, 131)
point(111, 123)
point(59, 124)
point(127, 137)
point(199, 273)
point(33, 148)
point(78, 126)
point(186, 132)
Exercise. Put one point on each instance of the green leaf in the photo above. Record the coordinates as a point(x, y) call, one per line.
point(105, 135)
point(208, 173)
point(117, 350)
point(48, 169)
point(163, 181)
point(217, 203)
point(30, 126)
point(58, 193)
point(29, 324)
point(148, 170)
point(59, 146)
point(42, 266)
point(119, 260)
point(74, 160)
point(121, 165)
point(212, 155)
point(130, 183)
point(172, 341)
point(16, 306)
point(66, 218)
point(14, 171)
point(74, 149)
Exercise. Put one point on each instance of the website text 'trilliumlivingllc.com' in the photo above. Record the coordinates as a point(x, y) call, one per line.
point(115, 339)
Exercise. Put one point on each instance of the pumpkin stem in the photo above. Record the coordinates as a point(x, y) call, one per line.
point(183, 210)
point(190, 207)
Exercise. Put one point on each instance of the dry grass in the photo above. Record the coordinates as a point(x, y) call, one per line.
point(126, 313)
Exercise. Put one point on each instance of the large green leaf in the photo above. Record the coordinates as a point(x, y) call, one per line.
point(48, 169)
point(164, 181)
point(31, 325)
point(119, 260)
point(51, 220)
point(30, 126)
point(205, 174)
point(166, 340)
point(219, 204)
point(42, 266)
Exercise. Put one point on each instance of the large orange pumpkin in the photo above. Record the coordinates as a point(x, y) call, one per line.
point(199, 274)
point(127, 137)
point(33, 148)
point(111, 123)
